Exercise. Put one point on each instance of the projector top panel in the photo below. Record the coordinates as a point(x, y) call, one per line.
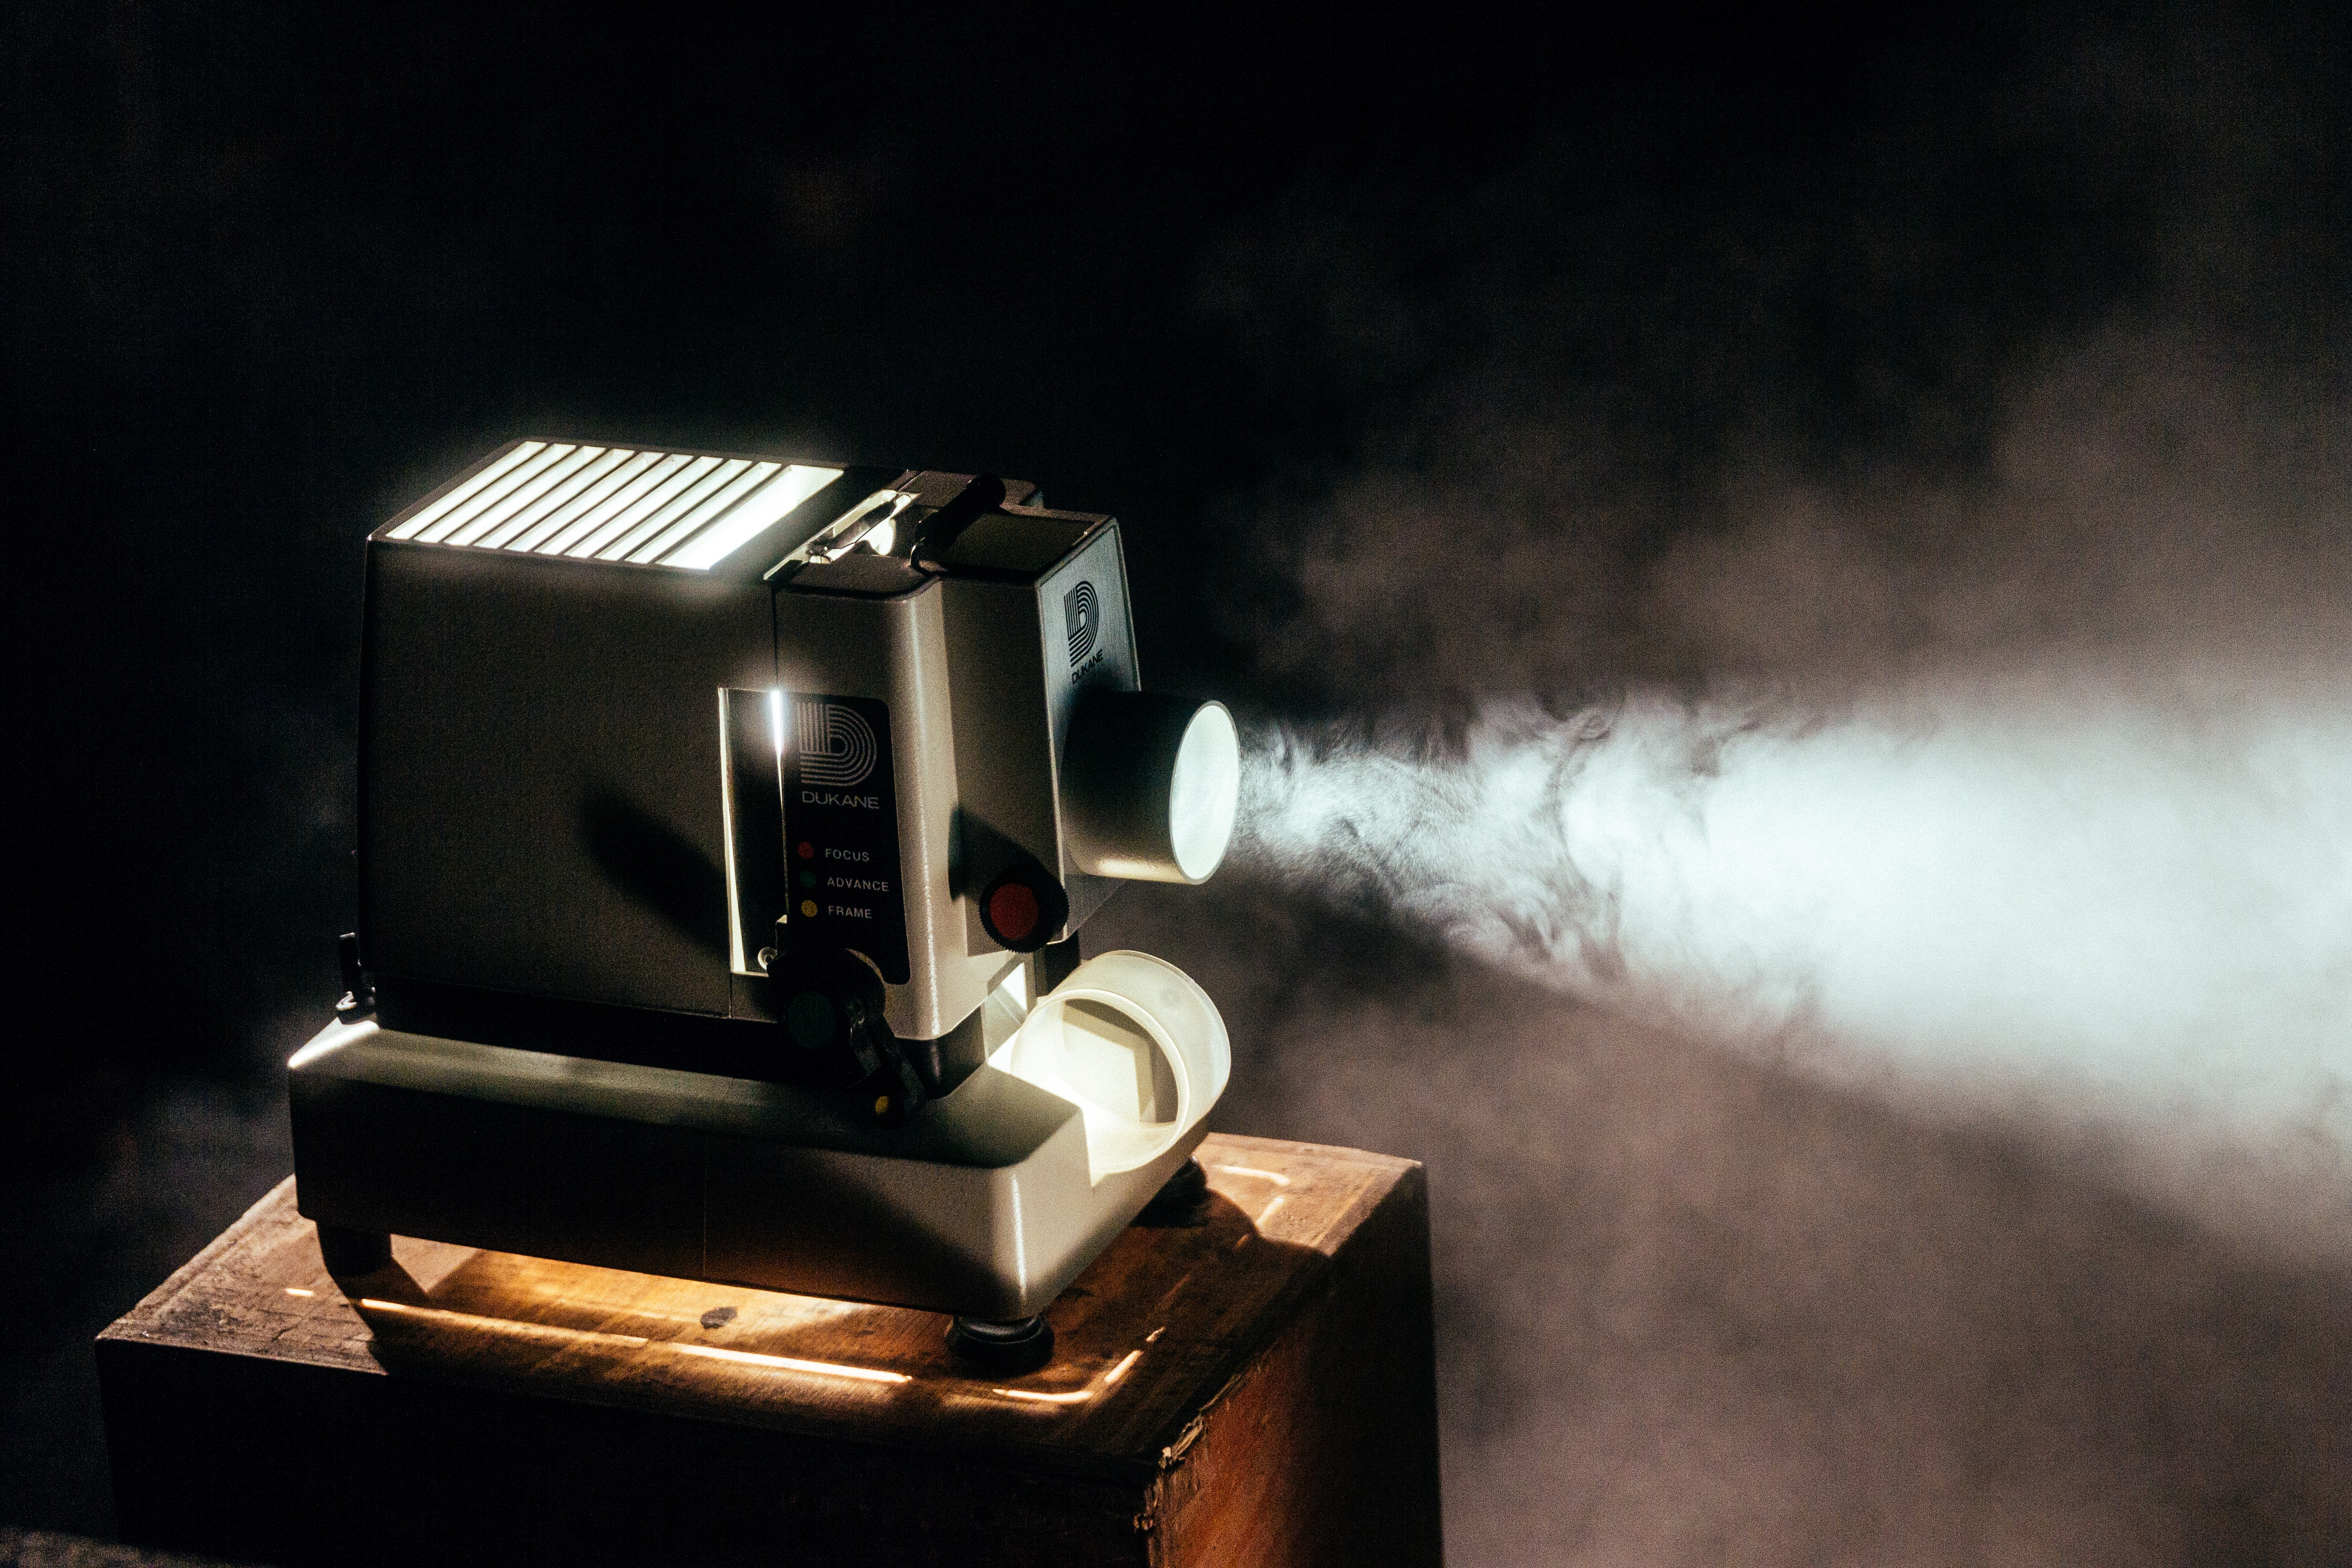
point(640, 506)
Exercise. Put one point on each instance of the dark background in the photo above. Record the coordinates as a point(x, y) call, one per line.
point(268, 275)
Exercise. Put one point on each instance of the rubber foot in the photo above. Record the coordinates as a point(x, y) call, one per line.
point(1002, 1349)
point(349, 1250)
point(1182, 1204)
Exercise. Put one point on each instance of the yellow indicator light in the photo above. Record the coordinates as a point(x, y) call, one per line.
point(808, 908)
point(881, 1105)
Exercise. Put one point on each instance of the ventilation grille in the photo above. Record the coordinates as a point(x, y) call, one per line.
point(616, 503)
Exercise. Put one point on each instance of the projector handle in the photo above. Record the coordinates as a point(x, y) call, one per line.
point(984, 494)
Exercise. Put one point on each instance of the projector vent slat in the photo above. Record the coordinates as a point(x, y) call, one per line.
point(737, 487)
point(691, 502)
point(624, 504)
point(483, 522)
point(596, 502)
point(556, 502)
point(429, 515)
point(493, 495)
point(677, 471)
point(751, 517)
point(702, 477)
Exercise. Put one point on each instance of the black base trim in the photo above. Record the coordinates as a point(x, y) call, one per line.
point(644, 1037)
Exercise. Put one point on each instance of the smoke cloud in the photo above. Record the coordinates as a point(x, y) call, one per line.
point(2101, 907)
point(2034, 791)
point(1878, 1010)
point(1833, 842)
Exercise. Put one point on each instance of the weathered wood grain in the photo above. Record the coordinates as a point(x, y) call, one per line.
point(1255, 1390)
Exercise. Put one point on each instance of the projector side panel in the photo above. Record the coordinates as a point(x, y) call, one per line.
point(540, 804)
point(1026, 633)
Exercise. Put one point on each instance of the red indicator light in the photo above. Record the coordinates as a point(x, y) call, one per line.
point(808, 851)
point(1012, 910)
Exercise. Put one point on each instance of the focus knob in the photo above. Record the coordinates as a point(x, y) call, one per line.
point(1024, 907)
point(1150, 786)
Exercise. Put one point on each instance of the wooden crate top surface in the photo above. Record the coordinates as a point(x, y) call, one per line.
point(1145, 1339)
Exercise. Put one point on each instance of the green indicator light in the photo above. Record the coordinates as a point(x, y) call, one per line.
point(810, 1019)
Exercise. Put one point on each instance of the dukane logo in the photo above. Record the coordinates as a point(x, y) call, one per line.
point(1079, 618)
point(836, 746)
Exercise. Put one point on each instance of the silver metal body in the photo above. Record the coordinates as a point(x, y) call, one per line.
point(542, 809)
point(571, 854)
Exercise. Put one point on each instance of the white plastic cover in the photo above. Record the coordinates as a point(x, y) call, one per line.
point(1122, 1023)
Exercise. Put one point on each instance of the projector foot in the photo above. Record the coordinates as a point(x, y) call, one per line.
point(349, 1250)
point(1002, 1349)
point(1182, 1204)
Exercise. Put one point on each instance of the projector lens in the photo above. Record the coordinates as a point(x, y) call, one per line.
point(1205, 792)
point(1151, 784)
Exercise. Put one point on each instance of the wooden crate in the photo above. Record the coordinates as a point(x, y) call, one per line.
point(1255, 1390)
